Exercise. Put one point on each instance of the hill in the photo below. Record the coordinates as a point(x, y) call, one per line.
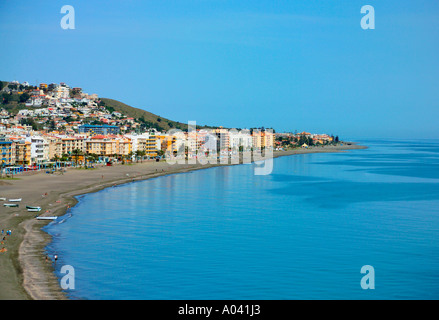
point(14, 102)
point(144, 116)
point(10, 102)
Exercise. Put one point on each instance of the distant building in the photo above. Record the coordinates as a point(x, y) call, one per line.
point(23, 153)
point(263, 139)
point(61, 92)
point(96, 129)
point(7, 152)
point(241, 139)
point(146, 143)
point(39, 149)
point(102, 146)
point(52, 86)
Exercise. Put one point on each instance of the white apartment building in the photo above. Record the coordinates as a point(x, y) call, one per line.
point(241, 138)
point(61, 92)
point(39, 149)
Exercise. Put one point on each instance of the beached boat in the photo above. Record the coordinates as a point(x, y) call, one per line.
point(10, 204)
point(2, 199)
point(15, 200)
point(33, 209)
point(47, 218)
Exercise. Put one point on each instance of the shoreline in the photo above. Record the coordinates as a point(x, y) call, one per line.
point(26, 274)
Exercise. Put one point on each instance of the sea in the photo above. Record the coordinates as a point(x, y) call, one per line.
point(362, 224)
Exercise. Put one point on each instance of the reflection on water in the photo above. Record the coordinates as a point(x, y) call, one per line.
point(303, 232)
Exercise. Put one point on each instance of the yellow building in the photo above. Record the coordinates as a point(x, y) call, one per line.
point(125, 147)
point(54, 147)
point(262, 140)
point(148, 145)
point(7, 152)
point(23, 153)
point(151, 146)
point(102, 146)
point(70, 144)
point(167, 142)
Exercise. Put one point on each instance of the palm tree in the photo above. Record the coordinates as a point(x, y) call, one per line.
point(76, 154)
point(130, 155)
point(56, 158)
point(142, 155)
point(94, 156)
point(89, 158)
point(138, 155)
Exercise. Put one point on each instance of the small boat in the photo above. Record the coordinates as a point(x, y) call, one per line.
point(33, 209)
point(2, 199)
point(10, 204)
point(47, 218)
point(14, 200)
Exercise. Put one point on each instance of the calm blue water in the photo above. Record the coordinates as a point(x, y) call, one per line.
point(303, 232)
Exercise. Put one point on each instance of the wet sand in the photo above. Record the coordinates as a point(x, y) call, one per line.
point(25, 274)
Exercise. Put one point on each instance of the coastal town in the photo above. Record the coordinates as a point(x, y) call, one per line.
point(55, 125)
point(58, 142)
point(218, 159)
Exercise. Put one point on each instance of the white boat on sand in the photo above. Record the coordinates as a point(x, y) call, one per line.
point(32, 207)
point(47, 218)
point(15, 200)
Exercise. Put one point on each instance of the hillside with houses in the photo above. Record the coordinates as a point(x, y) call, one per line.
point(53, 124)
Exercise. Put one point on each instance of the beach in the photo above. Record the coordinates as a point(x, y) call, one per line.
point(25, 272)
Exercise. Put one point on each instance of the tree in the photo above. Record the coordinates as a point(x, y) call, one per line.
point(65, 157)
point(142, 155)
point(76, 154)
point(130, 155)
point(160, 153)
point(139, 154)
point(56, 159)
point(94, 156)
point(52, 125)
point(6, 98)
point(13, 86)
point(24, 97)
point(30, 122)
point(68, 119)
point(87, 159)
point(303, 139)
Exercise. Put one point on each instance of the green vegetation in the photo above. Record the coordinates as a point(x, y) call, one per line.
point(31, 122)
point(307, 140)
point(12, 102)
point(147, 119)
point(24, 97)
point(3, 84)
point(76, 154)
point(9, 178)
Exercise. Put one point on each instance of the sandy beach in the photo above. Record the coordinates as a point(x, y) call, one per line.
point(25, 272)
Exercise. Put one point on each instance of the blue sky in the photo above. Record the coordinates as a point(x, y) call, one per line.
point(291, 65)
